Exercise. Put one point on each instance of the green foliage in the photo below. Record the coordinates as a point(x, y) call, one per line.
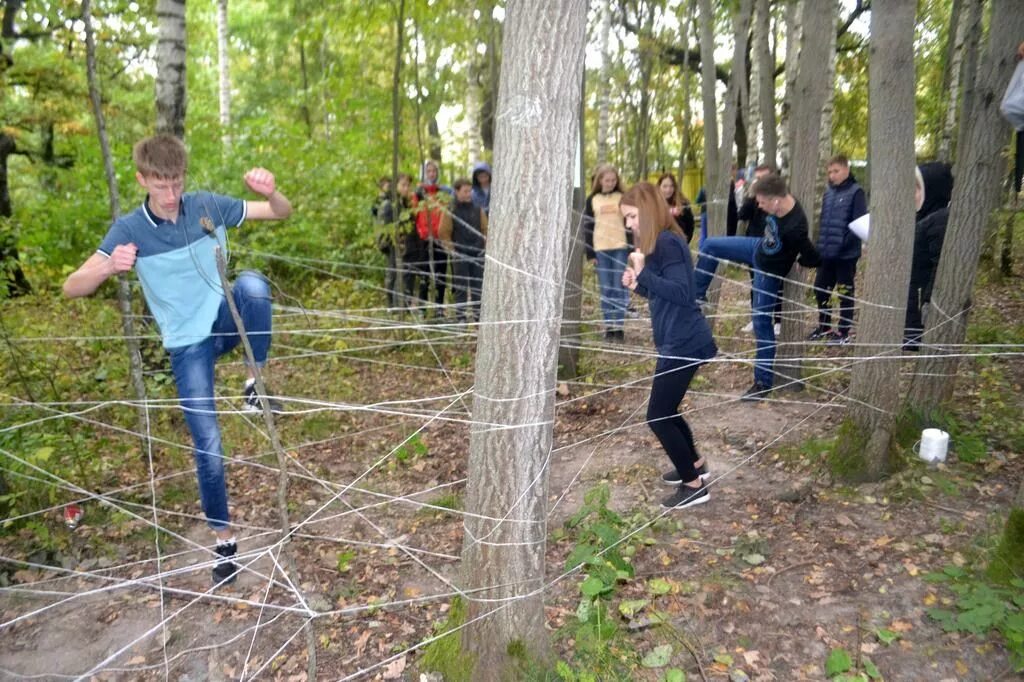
point(982, 608)
point(846, 459)
point(1007, 561)
point(412, 449)
point(446, 655)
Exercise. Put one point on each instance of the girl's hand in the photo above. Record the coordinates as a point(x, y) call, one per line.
point(636, 261)
point(629, 279)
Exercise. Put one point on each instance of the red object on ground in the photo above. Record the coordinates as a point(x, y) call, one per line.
point(72, 515)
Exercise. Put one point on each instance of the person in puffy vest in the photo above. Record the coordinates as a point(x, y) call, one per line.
point(464, 233)
point(429, 204)
point(843, 202)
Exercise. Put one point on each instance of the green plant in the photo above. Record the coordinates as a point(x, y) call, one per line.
point(981, 608)
point(445, 654)
point(839, 666)
point(412, 449)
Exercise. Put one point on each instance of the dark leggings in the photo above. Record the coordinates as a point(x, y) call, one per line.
point(838, 275)
point(671, 379)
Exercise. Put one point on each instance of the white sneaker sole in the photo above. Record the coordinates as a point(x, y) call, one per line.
point(689, 503)
point(675, 484)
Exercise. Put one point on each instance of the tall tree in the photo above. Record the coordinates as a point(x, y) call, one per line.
point(863, 447)
point(951, 78)
point(808, 96)
point(604, 85)
point(513, 405)
point(794, 37)
point(979, 172)
point(170, 68)
point(224, 72)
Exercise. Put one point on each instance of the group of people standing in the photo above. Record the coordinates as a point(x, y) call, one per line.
point(425, 229)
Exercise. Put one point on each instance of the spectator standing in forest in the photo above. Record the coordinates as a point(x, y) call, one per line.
point(401, 237)
point(784, 241)
point(842, 203)
point(430, 203)
point(935, 184)
point(482, 186)
point(678, 204)
point(661, 271)
point(608, 246)
point(171, 240)
point(464, 233)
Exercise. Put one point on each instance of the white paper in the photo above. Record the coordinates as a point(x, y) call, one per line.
point(860, 227)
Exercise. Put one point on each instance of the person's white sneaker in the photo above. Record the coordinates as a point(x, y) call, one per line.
point(778, 329)
point(749, 327)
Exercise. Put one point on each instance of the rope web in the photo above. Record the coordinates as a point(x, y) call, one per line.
point(364, 496)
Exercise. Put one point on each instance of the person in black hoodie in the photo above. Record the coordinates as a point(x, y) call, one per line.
point(756, 219)
point(784, 241)
point(929, 235)
point(661, 271)
point(463, 231)
point(843, 202)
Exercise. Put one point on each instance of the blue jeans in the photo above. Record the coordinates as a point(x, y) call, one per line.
point(614, 297)
point(193, 374)
point(765, 294)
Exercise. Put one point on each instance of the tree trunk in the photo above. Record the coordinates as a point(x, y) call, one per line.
point(124, 296)
point(10, 265)
point(572, 306)
point(951, 78)
point(645, 57)
point(434, 139)
point(713, 177)
point(604, 85)
point(307, 114)
point(825, 136)
point(794, 38)
point(686, 157)
point(224, 71)
point(491, 87)
point(765, 84)
point(396, 133)
point(170, 68)
point(979, 173)
point(862, 450)
point(513, 406)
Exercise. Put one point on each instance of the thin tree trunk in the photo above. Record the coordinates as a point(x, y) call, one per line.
point(604, 86)
point(513, 406)
point(969, 69)
point(713, 176)
point(808, 96)
point(862, 449)
point(979, 173)
point(419, 90)
point(794, 38)
point(396, 131)
point(951, 78)
point(765, 84)
point(572, 307)
point(645, 57)
point(170, 68)
point(15, 281)
point(307, 115)
point(491, 91)
point(686, 146)
point(224, 70)
point(124, 296)
point(825, 137)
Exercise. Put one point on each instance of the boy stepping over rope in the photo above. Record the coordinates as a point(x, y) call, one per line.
point(170, 240)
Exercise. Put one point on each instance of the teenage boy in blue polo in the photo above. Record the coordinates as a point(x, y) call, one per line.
point(170, 241)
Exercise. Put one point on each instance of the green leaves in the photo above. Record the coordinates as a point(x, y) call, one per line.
point(657, 657)
point(838, 662)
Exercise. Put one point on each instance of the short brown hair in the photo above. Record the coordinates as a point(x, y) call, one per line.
point(771, 186)
point(460, 183)
point(839, 160)
point(770, 167)
point(160, 156)
point(653, 216)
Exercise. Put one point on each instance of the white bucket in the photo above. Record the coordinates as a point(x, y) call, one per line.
point(934, 444)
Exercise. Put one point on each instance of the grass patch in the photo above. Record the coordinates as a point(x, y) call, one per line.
point(446, 655)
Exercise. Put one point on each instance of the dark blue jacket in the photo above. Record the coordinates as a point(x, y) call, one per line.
point(840, 206)
point(680, 329)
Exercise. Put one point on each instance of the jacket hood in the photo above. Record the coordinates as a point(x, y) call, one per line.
point(423, 172)
point(479, 167)
point(937, 178)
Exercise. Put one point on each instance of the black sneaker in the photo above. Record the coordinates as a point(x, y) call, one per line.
point(253, 404)
point(684, 497)
point(838, 339)
point(820, 333)
point(672, 477)
point(756, 392)
point(226, 569)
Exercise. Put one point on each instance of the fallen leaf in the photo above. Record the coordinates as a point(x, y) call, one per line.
point(394, 669)
point(901, 626)
point(361, 643)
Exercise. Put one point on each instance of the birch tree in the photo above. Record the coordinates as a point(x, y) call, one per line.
point(224, 73)
point(862, 448)
point(513, 405)
point(979, 172)
point(604, 86)
point(170, 68)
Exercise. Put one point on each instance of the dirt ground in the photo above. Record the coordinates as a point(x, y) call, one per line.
point(780, 567)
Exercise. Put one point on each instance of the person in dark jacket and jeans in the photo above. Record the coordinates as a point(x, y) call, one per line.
point(463, 231)
point(843, 202)
point(661, 271)
point(785, 240)
point(756, 219)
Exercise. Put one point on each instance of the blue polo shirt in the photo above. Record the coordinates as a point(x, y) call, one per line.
point(176, 262)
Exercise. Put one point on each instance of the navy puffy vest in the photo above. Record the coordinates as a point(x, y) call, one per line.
point(835, 241)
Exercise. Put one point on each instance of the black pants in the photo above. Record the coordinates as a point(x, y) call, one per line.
point(432, 266)
point(671, 379)
point(467, 281)
point(839, 275)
